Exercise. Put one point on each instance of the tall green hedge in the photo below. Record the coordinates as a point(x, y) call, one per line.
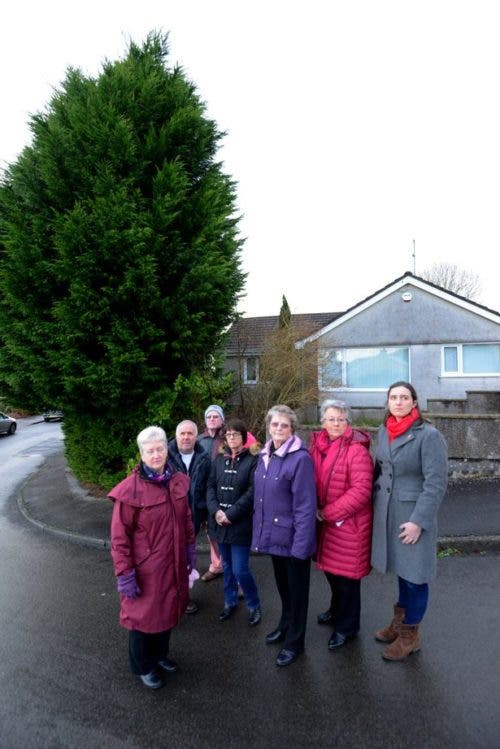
point(119, 257)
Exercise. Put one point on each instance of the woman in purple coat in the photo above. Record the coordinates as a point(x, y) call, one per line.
point(284, 525)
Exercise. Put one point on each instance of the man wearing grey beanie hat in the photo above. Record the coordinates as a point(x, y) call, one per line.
point(217, 410)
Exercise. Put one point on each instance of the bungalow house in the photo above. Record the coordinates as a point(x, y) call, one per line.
point(247, 336)
point(411, 329)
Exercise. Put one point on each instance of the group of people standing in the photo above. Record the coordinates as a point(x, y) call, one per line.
point(328, 502)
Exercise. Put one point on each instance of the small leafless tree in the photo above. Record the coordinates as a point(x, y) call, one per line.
point(451, 277)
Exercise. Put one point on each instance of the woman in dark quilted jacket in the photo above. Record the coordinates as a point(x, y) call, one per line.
point(230, 510)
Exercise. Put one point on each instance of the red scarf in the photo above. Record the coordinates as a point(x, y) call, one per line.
point(397, 428)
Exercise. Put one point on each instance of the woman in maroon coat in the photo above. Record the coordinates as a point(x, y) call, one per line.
point(343, 470)
point(153, 551)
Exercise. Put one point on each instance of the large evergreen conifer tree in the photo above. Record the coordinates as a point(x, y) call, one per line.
point(119, 257)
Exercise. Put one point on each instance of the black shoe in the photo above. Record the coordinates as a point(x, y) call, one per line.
point(275, 636)
point(226, 612)
point(338, 639)
point(285, 657)
point(168, 665)
point(254, 617)
point(192, 607)
point(325, 618)
point(152, 680)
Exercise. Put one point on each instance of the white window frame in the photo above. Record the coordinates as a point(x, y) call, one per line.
point(246, 379)
point(460, 360)
point(343, 388)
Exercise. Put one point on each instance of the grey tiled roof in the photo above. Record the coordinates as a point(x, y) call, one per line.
point(248, 334)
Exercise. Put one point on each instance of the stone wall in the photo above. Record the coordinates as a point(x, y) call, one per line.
point(476, 402)
point(470, 437)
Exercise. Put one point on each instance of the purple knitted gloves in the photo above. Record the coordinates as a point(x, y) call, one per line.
point(127, 584)
point(191, 556)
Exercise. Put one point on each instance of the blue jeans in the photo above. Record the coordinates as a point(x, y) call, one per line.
point(413, 597)
point(236, 570)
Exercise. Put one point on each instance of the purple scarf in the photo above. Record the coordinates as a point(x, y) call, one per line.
point(158, 478)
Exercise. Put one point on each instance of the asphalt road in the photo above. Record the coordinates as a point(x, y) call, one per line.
point(64, 679)
point(21, 453)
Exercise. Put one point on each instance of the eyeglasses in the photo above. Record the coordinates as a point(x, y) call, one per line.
point(282, 424)
point(214, 416)
point(335, 421)
point(231, 435)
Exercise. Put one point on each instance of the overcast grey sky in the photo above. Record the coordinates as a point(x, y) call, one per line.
point(353, 127)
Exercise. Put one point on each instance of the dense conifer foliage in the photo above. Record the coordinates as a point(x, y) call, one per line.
point(119, 258)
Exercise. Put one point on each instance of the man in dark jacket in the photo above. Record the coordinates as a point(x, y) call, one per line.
point(188, 456)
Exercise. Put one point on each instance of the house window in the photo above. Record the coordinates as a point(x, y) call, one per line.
point(363, 368)
point(251, 370)
point(471, 359)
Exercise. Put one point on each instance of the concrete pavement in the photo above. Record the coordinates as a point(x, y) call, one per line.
point(53, 500)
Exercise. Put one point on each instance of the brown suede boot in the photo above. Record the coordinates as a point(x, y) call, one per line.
point(389, 634)
point(407, 641)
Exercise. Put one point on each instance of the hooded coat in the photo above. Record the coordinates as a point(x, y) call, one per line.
point(343, 470)
point(230, 488)
point(411, 475)
point(151, 527)
point(284, 521)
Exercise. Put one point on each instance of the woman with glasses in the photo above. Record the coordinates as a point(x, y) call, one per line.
point(153, 551)
point(212, 440)
point(343, 470)
point(230, 509)
point(284, 525)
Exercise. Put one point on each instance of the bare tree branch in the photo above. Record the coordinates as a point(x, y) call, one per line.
point(286, 375)
point(453, 278)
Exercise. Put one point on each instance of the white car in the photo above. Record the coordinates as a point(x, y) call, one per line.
point(53, 415)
